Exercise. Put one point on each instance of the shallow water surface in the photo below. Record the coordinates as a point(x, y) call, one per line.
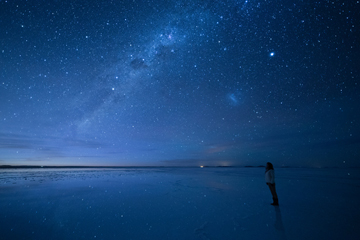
point(178, 203)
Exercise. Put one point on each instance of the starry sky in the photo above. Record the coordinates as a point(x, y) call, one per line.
point(180, 83)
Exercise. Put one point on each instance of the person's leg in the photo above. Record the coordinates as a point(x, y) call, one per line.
point(273, 193)
point(273, 190)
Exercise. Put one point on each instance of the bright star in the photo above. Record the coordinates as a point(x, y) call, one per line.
point(272, 54)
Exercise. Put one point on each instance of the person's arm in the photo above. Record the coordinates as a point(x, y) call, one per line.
point(267, 177)
point(272, 176)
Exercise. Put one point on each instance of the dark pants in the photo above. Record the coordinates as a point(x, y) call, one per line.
point(272, 190)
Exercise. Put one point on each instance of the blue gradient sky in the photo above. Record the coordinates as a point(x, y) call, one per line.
point(179, 84)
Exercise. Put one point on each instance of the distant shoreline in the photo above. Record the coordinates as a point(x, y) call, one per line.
point(145, 167)
point(35, 166)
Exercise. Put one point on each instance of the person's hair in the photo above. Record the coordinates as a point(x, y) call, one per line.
point(269, 165)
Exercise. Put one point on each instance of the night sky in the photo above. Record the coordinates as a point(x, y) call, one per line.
point(180, 83)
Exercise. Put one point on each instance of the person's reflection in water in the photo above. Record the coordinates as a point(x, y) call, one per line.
point(278, 221)
point(279, 226)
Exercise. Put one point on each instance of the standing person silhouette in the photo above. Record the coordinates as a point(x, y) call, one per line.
point(270, 181)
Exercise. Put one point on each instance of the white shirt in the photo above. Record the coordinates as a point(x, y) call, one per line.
point(270, 176)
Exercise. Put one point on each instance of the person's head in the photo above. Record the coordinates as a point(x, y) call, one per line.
point(269, 166)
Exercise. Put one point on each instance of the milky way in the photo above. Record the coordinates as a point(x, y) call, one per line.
point(179, 83)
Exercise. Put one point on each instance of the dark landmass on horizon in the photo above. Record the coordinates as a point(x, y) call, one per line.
point(119, 167)
point(38, 166)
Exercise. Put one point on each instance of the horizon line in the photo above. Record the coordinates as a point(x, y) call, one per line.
point(106, 166)
point(150, 166)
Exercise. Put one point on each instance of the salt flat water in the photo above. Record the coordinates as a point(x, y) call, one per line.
point(178, 203)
